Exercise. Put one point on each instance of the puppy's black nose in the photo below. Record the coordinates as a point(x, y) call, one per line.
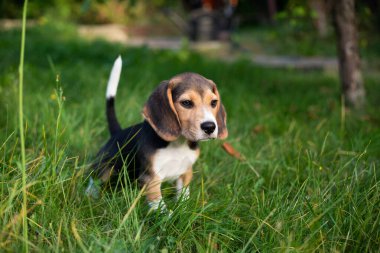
point(208, 127)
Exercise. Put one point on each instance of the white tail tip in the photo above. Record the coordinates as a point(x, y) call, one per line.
point(113, 81)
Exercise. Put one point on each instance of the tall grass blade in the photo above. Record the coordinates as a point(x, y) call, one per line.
point(21, 125)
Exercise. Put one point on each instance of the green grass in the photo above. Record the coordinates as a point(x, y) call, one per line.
point(22, 164)
point(310, 181)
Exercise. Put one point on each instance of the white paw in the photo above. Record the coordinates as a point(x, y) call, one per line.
point(156, 205)
point(93, 189)
point(183, 194)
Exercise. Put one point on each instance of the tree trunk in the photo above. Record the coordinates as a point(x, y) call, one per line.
point(348, 53)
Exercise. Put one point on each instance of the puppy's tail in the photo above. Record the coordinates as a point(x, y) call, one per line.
point(113, 82)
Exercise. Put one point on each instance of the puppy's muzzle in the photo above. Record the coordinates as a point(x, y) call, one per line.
point(208, 127)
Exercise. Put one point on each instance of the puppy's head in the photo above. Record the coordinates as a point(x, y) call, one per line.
point(187, 105)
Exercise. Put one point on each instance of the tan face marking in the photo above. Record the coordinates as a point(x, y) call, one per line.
point(187, 105)
point(195, 107)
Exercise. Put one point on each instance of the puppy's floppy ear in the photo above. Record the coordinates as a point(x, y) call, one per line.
point(221, 119)
point(159, 111)
point(221, 116)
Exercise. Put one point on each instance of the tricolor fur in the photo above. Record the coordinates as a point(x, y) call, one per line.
point(178, 114)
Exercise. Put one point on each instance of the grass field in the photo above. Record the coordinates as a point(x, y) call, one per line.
point(310, 181)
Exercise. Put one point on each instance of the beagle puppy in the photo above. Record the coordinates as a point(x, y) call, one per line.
point(181, 112)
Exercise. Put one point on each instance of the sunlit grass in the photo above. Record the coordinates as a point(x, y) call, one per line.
point(310, 181)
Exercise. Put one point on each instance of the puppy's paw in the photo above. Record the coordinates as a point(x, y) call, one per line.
point(183, 194)
point(93, 189)
point(158, 206)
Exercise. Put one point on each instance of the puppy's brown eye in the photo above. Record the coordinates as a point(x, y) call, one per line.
point(214, 103)
point(187, 104)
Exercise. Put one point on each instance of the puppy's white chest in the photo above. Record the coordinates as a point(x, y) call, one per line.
point(174, 160)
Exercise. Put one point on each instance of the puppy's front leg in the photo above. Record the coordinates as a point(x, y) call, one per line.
point(153, 194)
point(183, 184)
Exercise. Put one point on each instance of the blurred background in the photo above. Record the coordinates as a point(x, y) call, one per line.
point(336, 36)
point(286, 27)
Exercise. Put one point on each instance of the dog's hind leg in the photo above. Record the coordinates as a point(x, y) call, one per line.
point(95, 184)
